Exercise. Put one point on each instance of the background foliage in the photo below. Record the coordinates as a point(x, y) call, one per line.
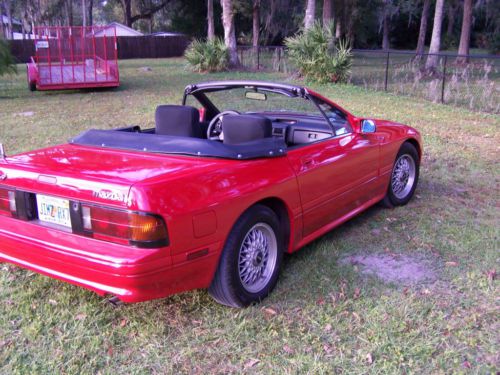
point(319, 56)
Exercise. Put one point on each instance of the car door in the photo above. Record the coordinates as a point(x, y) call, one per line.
point(335, 176)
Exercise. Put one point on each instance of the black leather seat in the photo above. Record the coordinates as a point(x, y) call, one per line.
point(178, 120)
point(245, 128)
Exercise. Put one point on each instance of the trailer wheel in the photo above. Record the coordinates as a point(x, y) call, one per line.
point(31, 84)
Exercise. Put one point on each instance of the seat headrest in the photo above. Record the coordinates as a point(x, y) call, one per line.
point(245, 128)
point(178, 120)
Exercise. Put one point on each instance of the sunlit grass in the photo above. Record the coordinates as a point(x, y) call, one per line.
point(323, 317)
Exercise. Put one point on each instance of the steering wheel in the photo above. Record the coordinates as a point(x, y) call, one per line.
point(214, 131)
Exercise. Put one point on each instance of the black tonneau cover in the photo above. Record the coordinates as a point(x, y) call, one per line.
point(165, 144)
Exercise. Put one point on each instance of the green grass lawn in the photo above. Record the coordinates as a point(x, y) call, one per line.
point(325, 316)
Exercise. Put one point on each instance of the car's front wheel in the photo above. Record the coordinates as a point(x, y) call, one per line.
point(404, 177)
point(251, 259)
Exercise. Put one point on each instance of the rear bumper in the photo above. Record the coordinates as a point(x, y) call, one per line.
point(131, 274)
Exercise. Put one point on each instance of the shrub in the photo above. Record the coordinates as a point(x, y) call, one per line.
point(494, 43)
point(207, 56)
point(7, 64)
point(318, 56)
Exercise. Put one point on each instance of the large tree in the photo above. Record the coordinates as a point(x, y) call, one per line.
point(255, 22)
point(69, 12)
point(310, 14)
point(87, 7)
point(327, 12)
point(423, 27)
point(146, 11)
point(433, 58)
point(229, 32)
point(210, 20)
point(463, 48)
point(385, 25)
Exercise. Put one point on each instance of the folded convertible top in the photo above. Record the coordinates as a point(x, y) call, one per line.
point(164, 144)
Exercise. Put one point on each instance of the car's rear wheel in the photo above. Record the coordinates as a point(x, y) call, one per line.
point(251, 259)
point(404, 177)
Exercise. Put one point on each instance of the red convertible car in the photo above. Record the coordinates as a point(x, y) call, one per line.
point(211, 197)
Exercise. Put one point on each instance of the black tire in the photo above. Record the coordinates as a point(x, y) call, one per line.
point(393, 198)
point(31, 85)
point(227, 286)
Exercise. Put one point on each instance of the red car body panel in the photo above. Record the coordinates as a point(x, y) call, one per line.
point(321, 185)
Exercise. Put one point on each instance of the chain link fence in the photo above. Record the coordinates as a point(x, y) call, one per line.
point(472, 82)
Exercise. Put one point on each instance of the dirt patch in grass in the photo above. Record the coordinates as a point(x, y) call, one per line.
point(394, 268)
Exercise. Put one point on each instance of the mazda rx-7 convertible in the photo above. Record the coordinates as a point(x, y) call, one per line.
point(211, 197)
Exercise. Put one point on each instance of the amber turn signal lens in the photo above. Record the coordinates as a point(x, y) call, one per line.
point(139, 229)
point(146, 228)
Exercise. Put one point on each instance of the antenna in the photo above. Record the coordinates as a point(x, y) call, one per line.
point(2, 151)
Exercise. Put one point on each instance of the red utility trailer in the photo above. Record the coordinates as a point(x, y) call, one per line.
point(73, 57)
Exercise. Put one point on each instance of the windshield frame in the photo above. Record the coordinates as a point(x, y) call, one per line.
point(198, 92)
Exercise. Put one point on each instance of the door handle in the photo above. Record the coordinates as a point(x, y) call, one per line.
point(307, 163)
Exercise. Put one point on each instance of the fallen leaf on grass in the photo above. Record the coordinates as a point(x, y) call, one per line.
point(357, 292)
point(491, 274)
point(328, 327)
point(466, 364)
point(252, 363)
point(369, 358)
point(320, 301)
point(288, 349)
point(110, 351)
point(53, 302)
point(123, 323)
point(4, 343)
point(451, 264)
point(80, 316)
point(269, 311)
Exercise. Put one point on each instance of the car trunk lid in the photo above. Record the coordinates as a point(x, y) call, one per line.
point(91, 173)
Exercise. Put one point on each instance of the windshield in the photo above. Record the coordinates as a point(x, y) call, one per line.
point(245, 100)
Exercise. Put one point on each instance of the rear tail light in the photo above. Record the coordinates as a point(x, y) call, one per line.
point(8, 202)
point(138, 229)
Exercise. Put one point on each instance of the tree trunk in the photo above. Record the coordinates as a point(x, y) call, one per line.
point(327, 12)
point(463, 48)
point(451, 19)
point(84, 13)
point(269, 19)
point(2, 26)
point(90, 9)
point(432, 60)
point(256, 23)
point(310, 14)
point(210, 20)
point(69, 12)
point(338, 28)
point(150, 24)
point(8, 9)
point(423, 28)
point(350, 17)
point(339, 18)
point(229, 32)
point(127, 12)
point(385, 27)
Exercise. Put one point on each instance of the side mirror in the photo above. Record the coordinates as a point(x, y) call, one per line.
point(368, 126)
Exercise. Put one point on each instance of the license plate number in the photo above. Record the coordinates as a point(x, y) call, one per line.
point(53, 210)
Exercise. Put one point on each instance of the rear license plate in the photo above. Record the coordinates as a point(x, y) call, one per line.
point(53, 210)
